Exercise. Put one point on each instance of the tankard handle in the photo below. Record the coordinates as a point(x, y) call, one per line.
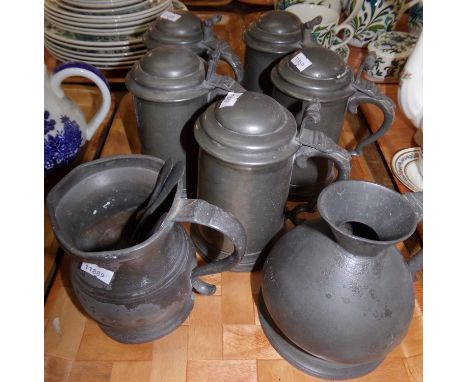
point(82, 69)
point(219, 84)
point(217, 46)
point(226, 54)
point(368, 92)
point(201, 212)
point(315, 143)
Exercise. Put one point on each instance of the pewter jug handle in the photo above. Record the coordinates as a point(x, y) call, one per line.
point(315, 143)
point(201, 212)
point(213, 44)
point(415, 263)
point(368, 92)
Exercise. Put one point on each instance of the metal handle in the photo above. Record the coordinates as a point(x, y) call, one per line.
point(226, 54)
point(213, 44)
point(368, 92)
point(219, 84)
point(315, 143)
point(415, 264)
point(201, 212)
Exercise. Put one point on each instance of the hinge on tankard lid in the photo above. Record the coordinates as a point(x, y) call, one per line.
point(368, 87)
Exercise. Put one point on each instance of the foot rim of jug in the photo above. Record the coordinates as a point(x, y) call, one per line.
point(306, 362)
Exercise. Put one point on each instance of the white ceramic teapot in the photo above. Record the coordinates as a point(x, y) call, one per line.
point(410, 90)
point(65, 128)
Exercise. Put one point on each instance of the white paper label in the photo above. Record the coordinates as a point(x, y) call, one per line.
point(301, 61)
point(230, 99)
point(170, 16)
point(102, 274)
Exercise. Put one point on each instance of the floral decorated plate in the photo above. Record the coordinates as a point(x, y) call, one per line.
point(98, 52)
point(84, 40)
point(146, 11)
point(101, 3)
point(98, 25)
point(405, 166)
point(138, 29)
point(105, 11)
point(80, 56)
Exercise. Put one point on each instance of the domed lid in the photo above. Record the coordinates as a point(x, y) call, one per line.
point(313, 72)
point(248, 129)
point(275, 32)
point(168, 73)
point(177, 27)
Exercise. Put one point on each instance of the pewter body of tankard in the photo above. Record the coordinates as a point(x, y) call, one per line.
point(268, 39)
point(316, 78)
point(171, 87)
point(248, 144)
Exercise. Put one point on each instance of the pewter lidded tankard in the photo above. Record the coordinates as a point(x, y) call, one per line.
point(184, 28)
point(317, 78)
point(267, 40)
point(248, 144)
point(140, 290)
point(171, 86)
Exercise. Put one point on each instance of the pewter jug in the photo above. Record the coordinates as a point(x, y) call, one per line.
point(143, 291)
point(184, 28)
point(315, 77)
point(171, 86)
point(248, 144)
point(267, 40)
point(336, 295)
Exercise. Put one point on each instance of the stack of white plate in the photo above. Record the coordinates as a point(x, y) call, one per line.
point(104, 33)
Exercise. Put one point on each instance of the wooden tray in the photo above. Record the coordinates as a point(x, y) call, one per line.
point(89, 100)
point(220, 341)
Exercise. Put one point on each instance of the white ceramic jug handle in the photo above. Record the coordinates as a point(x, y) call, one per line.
point(351, 34)
point(81, 69)
point(357, 7)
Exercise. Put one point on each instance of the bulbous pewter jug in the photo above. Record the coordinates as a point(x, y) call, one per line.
point(248, 144)
point(336, 295)
point(171, 86)
point(184, 28)
point(316, 77)
point(138, 292)
point(268, 39)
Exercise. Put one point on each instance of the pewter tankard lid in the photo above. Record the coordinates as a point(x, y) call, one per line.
point(254, 131)
point(313, 72)
point(274, 32)
point(168, 73)
point(187, 30)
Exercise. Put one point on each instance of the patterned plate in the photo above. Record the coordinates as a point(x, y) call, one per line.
point(148, 10)
point(405, 167)
point(84, 40)
point(101, 3)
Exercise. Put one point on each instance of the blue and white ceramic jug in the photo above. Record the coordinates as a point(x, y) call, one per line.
point(65, 128)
